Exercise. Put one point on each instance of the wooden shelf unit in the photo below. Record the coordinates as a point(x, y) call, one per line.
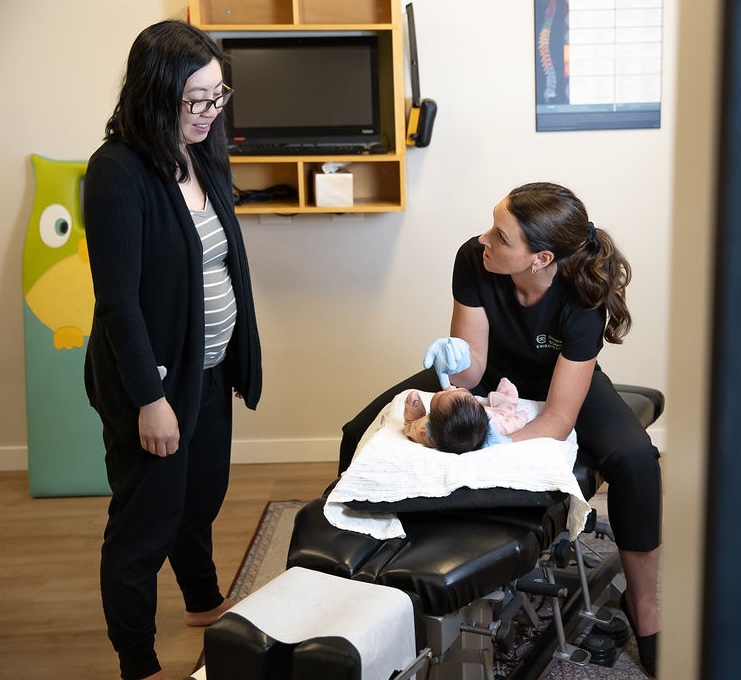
point(378, 179)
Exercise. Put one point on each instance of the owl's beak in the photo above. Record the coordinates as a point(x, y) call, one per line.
point(82, 251)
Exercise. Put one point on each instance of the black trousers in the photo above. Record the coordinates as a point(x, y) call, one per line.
point(163, 508)
point(606, 428)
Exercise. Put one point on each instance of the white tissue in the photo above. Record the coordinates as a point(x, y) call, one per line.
point(332, 167)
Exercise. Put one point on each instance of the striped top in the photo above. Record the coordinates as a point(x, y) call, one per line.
point(219, 304)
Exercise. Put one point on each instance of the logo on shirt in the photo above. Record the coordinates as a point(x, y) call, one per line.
point(543, 341)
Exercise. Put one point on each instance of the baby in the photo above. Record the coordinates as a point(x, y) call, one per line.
point(459, 422)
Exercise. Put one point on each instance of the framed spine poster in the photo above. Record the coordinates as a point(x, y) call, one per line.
point(598, 64)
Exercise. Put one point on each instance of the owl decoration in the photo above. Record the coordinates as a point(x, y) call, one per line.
point(57, 284)
point(65, 446)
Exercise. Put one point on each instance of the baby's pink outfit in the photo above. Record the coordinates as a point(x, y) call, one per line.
point(502, 408)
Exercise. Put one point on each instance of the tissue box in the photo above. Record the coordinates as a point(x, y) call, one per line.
point(333, 189)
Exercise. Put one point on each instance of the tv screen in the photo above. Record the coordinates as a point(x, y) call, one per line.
point(302, 90)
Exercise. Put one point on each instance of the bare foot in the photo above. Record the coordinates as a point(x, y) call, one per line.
point(200, 619)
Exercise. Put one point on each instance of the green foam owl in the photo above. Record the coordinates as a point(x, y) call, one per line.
point(57, 284)
point(65, 445)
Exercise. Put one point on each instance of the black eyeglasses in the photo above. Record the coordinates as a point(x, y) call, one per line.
point(202, 105)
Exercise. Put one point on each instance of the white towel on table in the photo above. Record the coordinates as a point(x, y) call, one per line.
point(300, 604)
point(389, 467)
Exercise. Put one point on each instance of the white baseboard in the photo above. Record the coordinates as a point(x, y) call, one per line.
point(271, 450)
point(13, 458)
point(243, 451)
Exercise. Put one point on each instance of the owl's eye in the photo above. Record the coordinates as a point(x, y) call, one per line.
point(55, 225)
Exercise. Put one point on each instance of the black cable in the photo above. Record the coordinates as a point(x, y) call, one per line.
point(278, 192)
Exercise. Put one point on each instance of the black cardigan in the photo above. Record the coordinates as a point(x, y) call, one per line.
point(147, 266)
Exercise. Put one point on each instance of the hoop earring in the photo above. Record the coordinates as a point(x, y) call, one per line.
point(533, 270)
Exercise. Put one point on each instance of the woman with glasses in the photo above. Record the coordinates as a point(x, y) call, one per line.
point(174, 331)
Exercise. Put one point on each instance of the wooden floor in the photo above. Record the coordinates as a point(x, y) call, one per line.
point(51, 623)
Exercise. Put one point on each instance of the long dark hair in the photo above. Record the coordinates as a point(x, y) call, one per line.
point(553, 218)
point(147, 115)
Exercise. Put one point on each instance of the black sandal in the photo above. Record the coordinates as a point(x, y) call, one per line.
point(646, 643)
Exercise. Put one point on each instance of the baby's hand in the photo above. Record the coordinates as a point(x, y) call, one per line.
point(414, 408)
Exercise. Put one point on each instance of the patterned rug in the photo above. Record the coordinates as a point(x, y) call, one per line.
point(268, 550)
point(266, 556)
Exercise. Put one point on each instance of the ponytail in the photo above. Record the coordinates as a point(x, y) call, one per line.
point(600, 274)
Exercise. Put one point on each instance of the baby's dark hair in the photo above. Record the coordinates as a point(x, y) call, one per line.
point(463, 426)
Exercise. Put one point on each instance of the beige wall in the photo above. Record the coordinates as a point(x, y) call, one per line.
point(347, 307)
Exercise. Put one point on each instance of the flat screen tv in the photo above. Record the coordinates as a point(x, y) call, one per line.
point(302, 91)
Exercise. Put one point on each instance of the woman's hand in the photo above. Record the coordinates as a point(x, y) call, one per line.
point(158, 428)
point(447, 355)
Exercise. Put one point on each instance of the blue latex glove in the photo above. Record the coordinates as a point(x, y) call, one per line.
point(447, 355)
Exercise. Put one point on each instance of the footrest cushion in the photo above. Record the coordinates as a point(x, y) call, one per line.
point(305, 624)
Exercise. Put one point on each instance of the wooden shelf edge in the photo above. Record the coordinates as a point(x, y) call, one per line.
point(324, 28)
point(273, 209)
point(315, 160)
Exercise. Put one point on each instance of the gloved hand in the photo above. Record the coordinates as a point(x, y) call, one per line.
point(447, 355)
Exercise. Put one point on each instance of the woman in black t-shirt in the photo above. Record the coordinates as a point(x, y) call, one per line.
point(534, 296)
